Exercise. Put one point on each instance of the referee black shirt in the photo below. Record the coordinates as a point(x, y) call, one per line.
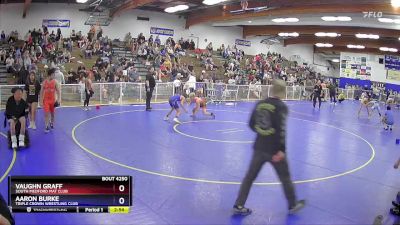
point(151, 80)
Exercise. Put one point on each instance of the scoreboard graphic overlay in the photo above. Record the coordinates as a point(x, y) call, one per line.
point(70, 194)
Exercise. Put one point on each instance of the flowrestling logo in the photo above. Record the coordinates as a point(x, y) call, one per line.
point(373, 14)
point(161, 31)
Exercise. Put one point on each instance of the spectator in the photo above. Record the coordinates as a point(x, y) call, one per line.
point(2, 36)
point(59, 76)
point(16, 110)
point(191, 83)
point(22, 75)
point(157, 41)
point(141, 39)
point(177, 84)
point(231, 81)
point(210, 47)
point(10, 65)
point(192, 46)
point(3, 55)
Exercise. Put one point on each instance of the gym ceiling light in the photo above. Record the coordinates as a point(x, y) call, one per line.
point(324, 45)
point(367, 36)
point(212, 2)
point(285, 20)
point(323, 34)
point(175, 9)
point(294, 34)
point(356, 46)
point(336, 18)
point(386, 49)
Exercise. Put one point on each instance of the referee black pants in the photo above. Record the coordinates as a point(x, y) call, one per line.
point(332, 96)
point(149, 95)
point(281, 168)
point(315, 97)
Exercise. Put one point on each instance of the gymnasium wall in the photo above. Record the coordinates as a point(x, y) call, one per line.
point(378, 71)
point(11, 19)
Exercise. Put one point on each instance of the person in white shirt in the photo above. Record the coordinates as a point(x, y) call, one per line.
point(191, 83)
point(3, 55)
point(59, 76)
point(177, 84)
point(10, 64)
point(231, 81)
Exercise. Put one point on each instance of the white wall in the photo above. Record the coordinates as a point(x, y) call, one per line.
point(378, 71)
point(11, 19)
point(293, 52)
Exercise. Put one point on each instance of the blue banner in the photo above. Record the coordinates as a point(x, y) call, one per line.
point(56, 23)
point(392, 62)
point(243, 42)
point(350, 81)
point(161, 31)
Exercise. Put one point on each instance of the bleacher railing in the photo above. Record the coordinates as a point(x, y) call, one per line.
point(124, 93)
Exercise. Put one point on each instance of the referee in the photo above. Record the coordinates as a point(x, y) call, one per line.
point(150, 84)
point(268, 120)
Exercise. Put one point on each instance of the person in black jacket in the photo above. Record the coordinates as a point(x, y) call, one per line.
point(16, 110)
point(5, 215)
point(317, 94)
point(150, 84)
point(32, 91)
point(332, 92)
point(268, 120)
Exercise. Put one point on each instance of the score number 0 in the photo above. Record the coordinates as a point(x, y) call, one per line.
point(121, 200)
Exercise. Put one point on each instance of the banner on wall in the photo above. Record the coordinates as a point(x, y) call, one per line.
point(56, 23)
point(392, 62)
point(356, 67)
point(393, 75)
point(161, 31)
point(243, 42)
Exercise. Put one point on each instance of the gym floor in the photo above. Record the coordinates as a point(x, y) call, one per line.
point(190, 173)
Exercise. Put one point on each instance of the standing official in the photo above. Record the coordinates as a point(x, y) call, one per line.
point(317, 94)
point(268, 120)
point(150, 84)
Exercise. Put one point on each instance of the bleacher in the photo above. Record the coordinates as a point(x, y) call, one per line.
point(122, 52)
point(3, 72)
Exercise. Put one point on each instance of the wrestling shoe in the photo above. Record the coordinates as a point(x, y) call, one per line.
point(166, 118)
point(21, 142)
point(395, 211)
point(177, 121)
point(241, 210)
point(33, 125)
point(299, 205)
point(14, 142)
point(51, 125)
point(47, 130)
point(213, 115)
